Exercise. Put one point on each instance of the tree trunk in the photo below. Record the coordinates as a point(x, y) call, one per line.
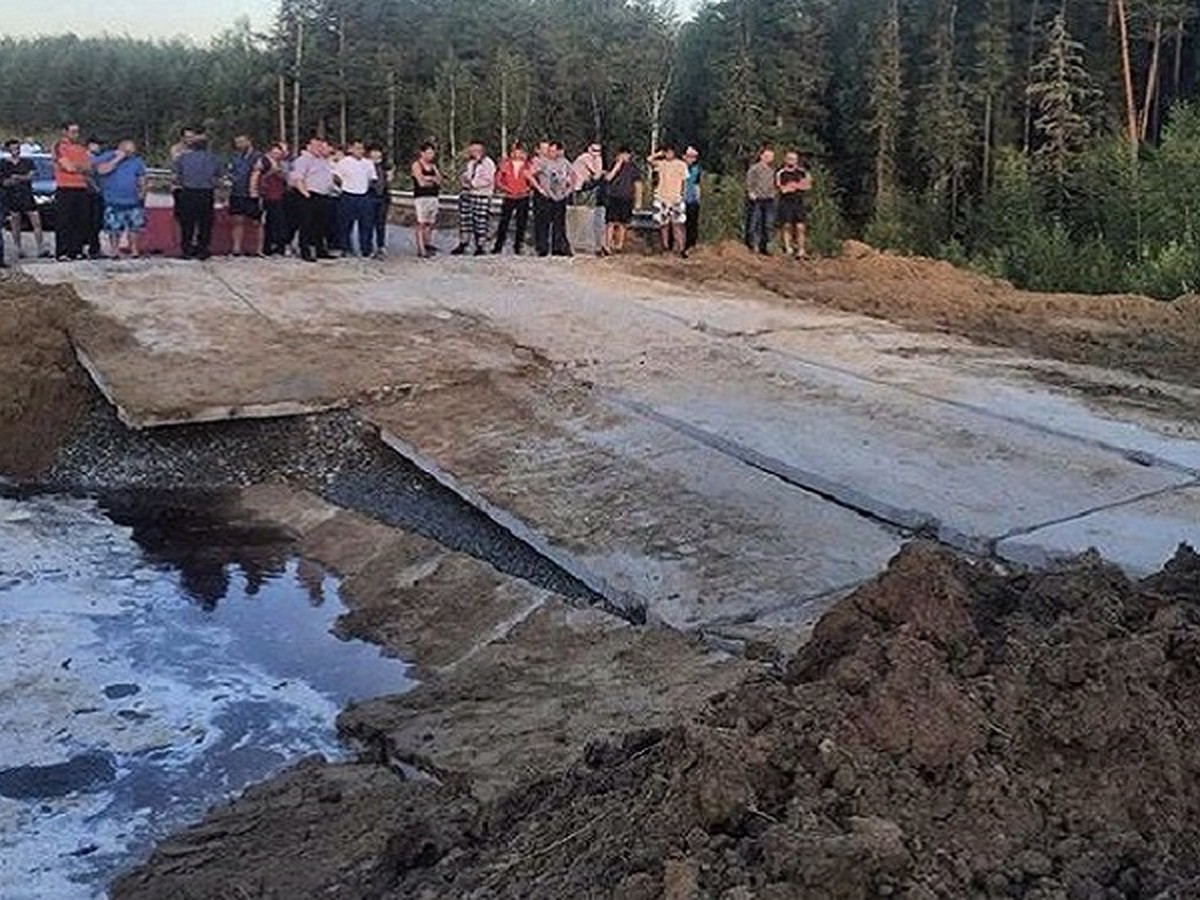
point(503, 108)
point(986, 177)
point(1178, 70)
point(296, 86)
point(1151, 79)
point(343, 100)
point(282, 108)
point(453, 123)
point(1127, 80)
point(391, 139)
point(1030, 58)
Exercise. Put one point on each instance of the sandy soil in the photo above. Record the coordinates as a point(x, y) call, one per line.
point(43, 393)
point(950, 731)
point(1137, 334)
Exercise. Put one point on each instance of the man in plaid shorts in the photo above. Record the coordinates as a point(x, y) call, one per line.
point(476, 186)
point(670, 211)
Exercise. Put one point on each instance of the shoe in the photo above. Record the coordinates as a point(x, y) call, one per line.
point(45, 254)
point(326, 255)
point(479, 251)
point(517, 251)
point(3, 264)
point(308, 257)
point(459, 250)
point(683, 254)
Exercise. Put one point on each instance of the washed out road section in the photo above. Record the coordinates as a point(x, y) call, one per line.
point(684, 454)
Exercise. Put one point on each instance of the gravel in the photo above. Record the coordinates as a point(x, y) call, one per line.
point(333, 454)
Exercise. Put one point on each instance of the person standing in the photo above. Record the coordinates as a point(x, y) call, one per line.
point(312, 177)
point(272, 189)
point(72, 163)
point(670, 212)
point(427, 189)
point(355, 175)
point(622, 181)
point(196, 171)
point(793, 182)
point(122, 175)
point(691, 197)
point(477, 184)
point(245, 205)
point(96, 149)
point(513, 184)
point(554, 182)
point(590, 186)
point(382, 197)
point(16, 183)
point(760, 201)
point(175, 151)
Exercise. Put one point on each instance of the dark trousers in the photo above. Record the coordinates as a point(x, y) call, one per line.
point(511, 207)
point(275, 236)
point(693, 226)
point(95, 224)
point(72, 219)
point(317, 217)
point(195, 222)
point(356, 212)
point(760, 219)
point(550, 226)
point(3, 224)
point(292, 203)
point(383, 205)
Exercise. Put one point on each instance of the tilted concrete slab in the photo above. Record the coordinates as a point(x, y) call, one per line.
point(645, 516)
point(963, 476)
point(1138, 537)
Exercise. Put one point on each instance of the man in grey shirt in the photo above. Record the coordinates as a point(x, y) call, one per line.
point(760, 201)
point(312, 178)
point(195, 176)
point(553, 184)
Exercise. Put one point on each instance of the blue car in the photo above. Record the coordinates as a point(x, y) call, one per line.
point(43, 187)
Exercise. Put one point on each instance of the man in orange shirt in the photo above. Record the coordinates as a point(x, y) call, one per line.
point(73, 211)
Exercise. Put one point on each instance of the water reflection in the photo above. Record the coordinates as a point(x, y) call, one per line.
point(146, 679)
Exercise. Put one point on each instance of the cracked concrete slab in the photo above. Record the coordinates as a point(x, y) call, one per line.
point(1139, 537)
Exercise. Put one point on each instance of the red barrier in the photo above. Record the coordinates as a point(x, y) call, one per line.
point(160, 233)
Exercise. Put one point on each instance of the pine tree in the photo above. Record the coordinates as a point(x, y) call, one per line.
point(1062, 93)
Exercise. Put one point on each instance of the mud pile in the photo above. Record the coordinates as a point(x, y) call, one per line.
point(42, 391)
point(949, 731)
point(1138, 334)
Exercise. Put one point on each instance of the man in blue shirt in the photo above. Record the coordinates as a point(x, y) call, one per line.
point(245, 174)
point(691, 197)
point(196, 170)
point(122, 176)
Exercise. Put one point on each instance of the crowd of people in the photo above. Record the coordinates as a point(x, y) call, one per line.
point(326, 201)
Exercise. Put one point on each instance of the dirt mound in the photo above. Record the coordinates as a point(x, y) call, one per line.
point(1144, 336)
point(42, 390)
point(948, 732)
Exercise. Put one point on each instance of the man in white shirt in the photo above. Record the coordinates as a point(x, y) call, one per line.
point(356, 208)
point(476, 186)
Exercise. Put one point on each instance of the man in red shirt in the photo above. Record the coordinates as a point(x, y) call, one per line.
point(73, 209)
point(513, 184)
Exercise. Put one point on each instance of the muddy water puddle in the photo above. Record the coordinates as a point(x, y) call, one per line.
point(152, 663)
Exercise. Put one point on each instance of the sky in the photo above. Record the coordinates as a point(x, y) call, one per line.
point(137, 18)
point(148, 18)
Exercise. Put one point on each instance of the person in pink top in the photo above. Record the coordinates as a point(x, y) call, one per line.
point(512, 183)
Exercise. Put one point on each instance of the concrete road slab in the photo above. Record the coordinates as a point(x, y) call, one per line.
point(646, 517)
point(961, 475)
point(1138, 537)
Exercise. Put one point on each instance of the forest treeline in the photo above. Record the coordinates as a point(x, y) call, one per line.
point(1053, 142)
